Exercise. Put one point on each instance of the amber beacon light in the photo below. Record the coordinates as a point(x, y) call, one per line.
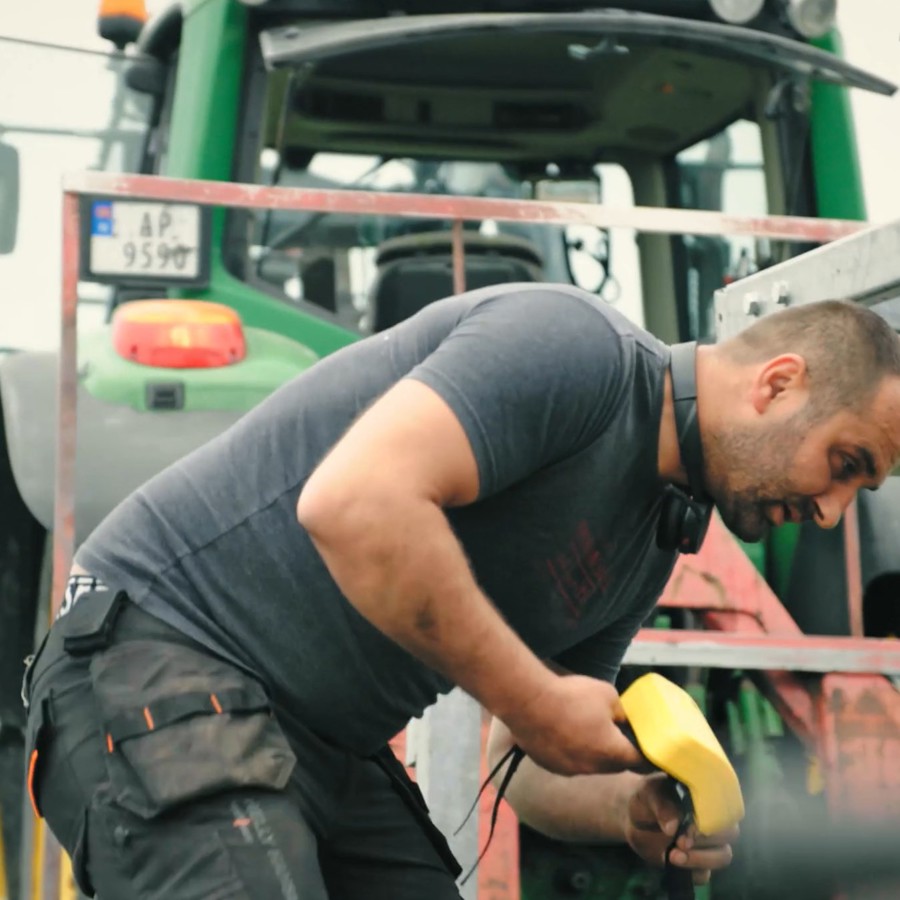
point(178, 334)
point(121, 21)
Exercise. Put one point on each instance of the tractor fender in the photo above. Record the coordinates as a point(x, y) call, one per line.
point(119, 448)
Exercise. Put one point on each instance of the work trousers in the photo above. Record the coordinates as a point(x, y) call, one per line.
point(166, 773)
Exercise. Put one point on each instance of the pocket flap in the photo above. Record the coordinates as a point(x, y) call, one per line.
point(168, 710)
point(181, 724)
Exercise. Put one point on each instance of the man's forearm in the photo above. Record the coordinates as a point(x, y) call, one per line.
point(587, 808)
point(398, 562)
point(590, 808)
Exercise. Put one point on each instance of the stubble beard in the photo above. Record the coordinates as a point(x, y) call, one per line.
point(747, 472)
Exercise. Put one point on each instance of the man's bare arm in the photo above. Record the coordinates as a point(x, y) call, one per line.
point(624, 807)
point(586, 808)
point(374, 510)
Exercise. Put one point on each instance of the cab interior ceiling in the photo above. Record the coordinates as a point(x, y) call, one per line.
point(515, 98)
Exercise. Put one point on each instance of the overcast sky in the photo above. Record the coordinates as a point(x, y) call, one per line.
point(870, 29)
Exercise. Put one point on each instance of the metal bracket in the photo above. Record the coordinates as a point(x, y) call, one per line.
point(864, 266)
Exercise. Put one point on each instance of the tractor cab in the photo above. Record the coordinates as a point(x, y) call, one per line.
point(519, 101)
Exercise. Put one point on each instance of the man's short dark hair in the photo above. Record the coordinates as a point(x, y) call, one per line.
point(848, 350)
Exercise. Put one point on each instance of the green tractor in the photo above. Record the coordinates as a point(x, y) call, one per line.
point(735, 107)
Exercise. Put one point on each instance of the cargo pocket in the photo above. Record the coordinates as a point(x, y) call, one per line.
point(53, 792)
point(180, 725)
point(35, 754)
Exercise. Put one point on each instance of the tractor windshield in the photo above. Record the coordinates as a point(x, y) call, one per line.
point(614, 107)
point(351, 265)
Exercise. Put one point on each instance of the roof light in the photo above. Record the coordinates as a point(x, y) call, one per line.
point(737, 12)
point(811, 18)
point(178, 334)
point(121, 21)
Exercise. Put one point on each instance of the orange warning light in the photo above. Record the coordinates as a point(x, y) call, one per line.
point(137, 9)
point(178, 334)
point(120, 21)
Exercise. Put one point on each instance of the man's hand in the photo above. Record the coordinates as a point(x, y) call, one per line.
point(570, 728)
point(651, 819)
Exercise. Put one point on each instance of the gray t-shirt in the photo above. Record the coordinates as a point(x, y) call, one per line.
point(560, 397)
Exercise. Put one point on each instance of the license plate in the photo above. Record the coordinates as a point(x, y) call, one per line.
point(145, 242)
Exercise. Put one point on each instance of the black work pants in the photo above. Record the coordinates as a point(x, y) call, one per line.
point(166, 774)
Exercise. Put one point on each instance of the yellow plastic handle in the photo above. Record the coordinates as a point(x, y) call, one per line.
point(673, 734)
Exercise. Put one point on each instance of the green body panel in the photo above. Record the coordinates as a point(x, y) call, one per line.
point(271, 360)
point(835, 160)
point(839, 195)
point(205, 123)
point(757, 554)
point(205, 108)
point(262, 311)
point(553, 869)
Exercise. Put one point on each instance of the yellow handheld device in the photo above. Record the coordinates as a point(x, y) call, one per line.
point(672, 732)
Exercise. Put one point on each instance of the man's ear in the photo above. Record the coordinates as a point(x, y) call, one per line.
point(782, 379)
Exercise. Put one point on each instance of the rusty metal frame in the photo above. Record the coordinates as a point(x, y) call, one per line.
point(847, 715)
point(720, 583)
point(458, 209)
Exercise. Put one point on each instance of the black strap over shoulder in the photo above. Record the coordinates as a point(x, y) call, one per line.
point(682, 366)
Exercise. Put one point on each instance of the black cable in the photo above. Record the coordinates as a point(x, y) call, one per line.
point(47, 45)
point(678, 882)
point(513, 756)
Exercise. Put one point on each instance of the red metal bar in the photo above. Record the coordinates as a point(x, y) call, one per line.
point(459, 257)
point(745, 650)
point(859, 730)
point(64, 489)
point(642, 218)
point(721, 577)
point(733, 597)
point(64, 496)
point(853, 568)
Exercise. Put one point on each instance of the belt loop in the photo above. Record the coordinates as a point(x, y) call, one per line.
point(91, 628)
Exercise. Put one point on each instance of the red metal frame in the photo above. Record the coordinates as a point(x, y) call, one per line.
point(722, 584)
point(850, 721)
point(853, 567)
point(842, 717)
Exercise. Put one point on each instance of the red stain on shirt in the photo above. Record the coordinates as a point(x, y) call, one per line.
point(579, 571)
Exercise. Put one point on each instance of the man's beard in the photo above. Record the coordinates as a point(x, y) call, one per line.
point(748, 471)
point(744, 516)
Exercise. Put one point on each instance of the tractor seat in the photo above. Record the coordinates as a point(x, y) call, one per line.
point(417, 269)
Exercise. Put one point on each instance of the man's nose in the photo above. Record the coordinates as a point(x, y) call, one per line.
point(830, 506)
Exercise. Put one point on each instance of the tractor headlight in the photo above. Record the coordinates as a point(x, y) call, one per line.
point(811, 18)
point(736, 12)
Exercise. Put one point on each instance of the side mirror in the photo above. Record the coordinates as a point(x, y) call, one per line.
point(9, 197)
